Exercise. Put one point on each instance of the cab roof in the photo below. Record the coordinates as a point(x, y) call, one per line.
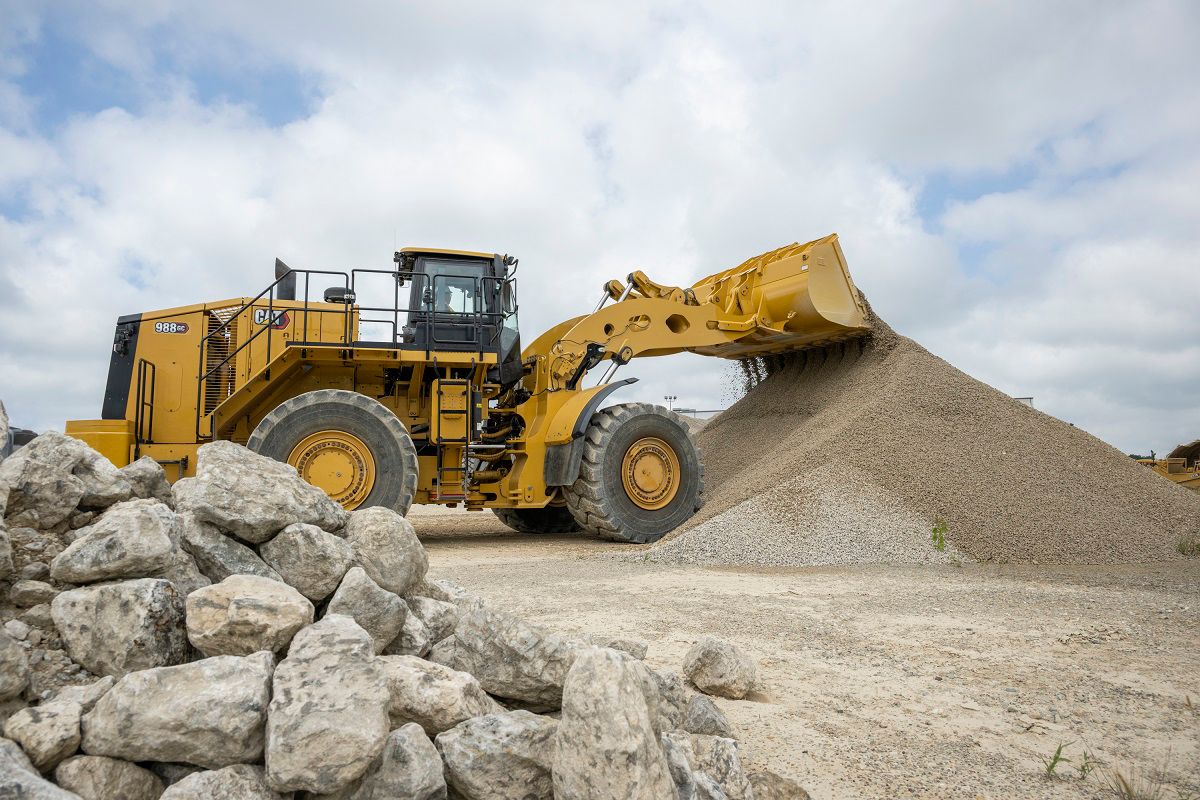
point(438, 251)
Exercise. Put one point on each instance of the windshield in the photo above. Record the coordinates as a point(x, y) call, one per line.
point(452, 286)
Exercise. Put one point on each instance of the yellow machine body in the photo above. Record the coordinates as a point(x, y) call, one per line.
point(189, 375)
point(1181, 466)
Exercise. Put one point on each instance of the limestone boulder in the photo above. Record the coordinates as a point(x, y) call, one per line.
point(117, 628)
point(52, 476)
point(20, 781)
point(211, 713)
point(14, 667)
point(6, 442)
point(376, 610)
point(148, 480)
point(328, 717)
point(770, 785)
point(607, 746)
point(434, 696)
point(450, 592)
point(505, 756)
point(218, 556)
point(703, 717)
point(634, 647)
point(308, 558)
point(674, 697)
point(183, 573)
point(413, 639)
point(409, 767)
point(133, 539)
point(386, 546)
point(47, 733)
point(245, 614)
point(252, 496)
point(439, 617)
point(241, 781)
point(715, 759)
point(716, 667)
point(6, 552)
point(100, 778)
point(512, 658)
point(27, 594)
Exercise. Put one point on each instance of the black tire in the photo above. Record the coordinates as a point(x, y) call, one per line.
point(551, 519)
point(598, 499)
point(364, 417)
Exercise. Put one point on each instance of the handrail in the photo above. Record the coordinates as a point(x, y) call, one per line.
point(144, 368)
point(421, 319)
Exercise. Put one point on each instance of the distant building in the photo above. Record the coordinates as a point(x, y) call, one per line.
point(1026, 400)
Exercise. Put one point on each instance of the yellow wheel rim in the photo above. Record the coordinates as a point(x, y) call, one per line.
point(338, 463)
point(650, 472)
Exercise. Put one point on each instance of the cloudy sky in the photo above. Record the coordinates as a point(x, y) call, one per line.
point(1015, 184)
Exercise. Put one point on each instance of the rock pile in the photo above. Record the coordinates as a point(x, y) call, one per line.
point(240, 635)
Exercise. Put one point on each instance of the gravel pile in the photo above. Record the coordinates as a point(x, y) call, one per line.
point(240, 635)
point(854, 453)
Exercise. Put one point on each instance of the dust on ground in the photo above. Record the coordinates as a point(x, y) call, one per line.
point(891, 681)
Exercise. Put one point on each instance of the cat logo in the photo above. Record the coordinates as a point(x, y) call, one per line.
point(279, 323)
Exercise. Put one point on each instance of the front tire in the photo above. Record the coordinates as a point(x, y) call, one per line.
point(346, 443)
point(551, 519)
point(642, 475)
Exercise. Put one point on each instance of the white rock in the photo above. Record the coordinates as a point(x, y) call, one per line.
point(133, 539)
point(20, 781)
point(703, 717)
point(244, 614)
point(717, 667)
point(218, 556)
point(512, 658)
point(607, 746)
point(6, 443)
point(6, 557)
point(239, 782)
point(115, 628)
point(210, 713)
point(435, 697)
point(378, 611)
point(148, 480)
point(308, 558)
point(717, 759)
point(413, 639)
point(502, 756)
point(100, 778)
point(328, 717)
point(183, 573)
point(409, 767)
point(770, 785)
point(53, 475)
point(252, 496)
point(14, 666)
point(439, 617)
point(387, 548)
point(26, 594)
point(674, 698)
point(47, 733)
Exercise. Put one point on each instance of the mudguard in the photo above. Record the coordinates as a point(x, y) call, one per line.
point(564, 458)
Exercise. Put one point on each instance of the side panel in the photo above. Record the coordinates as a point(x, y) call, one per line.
point(112, 438)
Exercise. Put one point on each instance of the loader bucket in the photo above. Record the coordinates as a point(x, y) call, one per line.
point(795, 298)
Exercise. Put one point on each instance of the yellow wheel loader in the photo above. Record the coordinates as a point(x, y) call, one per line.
point(418, 391)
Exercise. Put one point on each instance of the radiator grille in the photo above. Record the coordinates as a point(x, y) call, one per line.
point(217, 349)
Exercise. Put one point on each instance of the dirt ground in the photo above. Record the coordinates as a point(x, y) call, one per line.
point(924, 682)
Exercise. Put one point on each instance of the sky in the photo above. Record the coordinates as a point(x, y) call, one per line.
point(1014, 184)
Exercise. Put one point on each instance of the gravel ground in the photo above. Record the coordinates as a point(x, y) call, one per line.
point(933, 681)
point(1011, 484)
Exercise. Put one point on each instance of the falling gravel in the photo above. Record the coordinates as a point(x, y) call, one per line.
point(855, 453)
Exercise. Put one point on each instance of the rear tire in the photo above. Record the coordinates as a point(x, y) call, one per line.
point(642, 475)
point(350, 422)
point(551, 519)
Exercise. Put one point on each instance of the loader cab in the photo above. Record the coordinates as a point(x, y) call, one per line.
point(460, 300)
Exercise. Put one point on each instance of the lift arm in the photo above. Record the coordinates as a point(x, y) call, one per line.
point(795, 298)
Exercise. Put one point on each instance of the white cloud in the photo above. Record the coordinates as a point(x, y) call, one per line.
point(678, 139)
